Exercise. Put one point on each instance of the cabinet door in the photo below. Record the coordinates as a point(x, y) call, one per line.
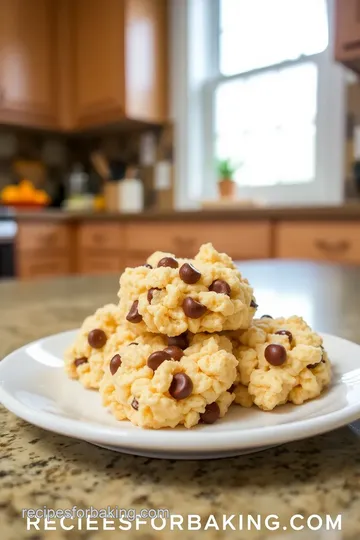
point(347, 47)
point(99, 61)
point(37, 265)
point(326, 241)
point(241, 240)
point(27, 70)
point(146, 46)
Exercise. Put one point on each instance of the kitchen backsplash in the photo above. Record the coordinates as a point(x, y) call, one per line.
point(48, 159)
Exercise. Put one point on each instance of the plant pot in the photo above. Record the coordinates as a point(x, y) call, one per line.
point(227, 188)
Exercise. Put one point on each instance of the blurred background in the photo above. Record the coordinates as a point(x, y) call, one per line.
point(128, 126)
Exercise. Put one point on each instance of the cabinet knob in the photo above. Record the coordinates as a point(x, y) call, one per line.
point(97, 238)
point(332, 247)
point(181, 241)
point(49, 238)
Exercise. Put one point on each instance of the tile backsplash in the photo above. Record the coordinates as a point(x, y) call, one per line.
point(47, 159)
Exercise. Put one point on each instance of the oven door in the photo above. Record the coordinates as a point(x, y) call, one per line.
point(7, 260)
point(8, 228)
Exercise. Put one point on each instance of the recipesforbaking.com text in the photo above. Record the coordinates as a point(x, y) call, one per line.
point(110, 519)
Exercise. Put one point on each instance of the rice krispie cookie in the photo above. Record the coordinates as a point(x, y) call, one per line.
point(84, 359)
point(163, 382)
point(279, 360)
point(170, 296)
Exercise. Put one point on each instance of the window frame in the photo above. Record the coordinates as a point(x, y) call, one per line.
point(192, 105)
point(330, 127)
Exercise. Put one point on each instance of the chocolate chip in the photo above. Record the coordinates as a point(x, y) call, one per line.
point(189, 274)
point(221, 287)
point(192, 308)
point(312, 366)
point(275, 354)
point(150, 293)
point(175, 352)
point(181, 386)
point(322, 361)
point(147, 265)
point(211, 413)
point(115, 363)
point(181, 341)
point(168, 261)
point(79, 361)
point(285, 333)
point(253, 304)
point(133, 315)
point(156, 359)
point(97, 338)
point(135, 404)
point(266, 317)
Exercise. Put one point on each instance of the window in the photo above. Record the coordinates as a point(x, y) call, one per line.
point(266, 121)
point(267, 32)
point(271, 100)
point(266, 125)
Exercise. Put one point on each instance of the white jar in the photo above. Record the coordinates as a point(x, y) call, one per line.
point(131, 195)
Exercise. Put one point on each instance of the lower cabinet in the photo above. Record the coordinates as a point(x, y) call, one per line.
point(50, 248)
point(100, 247)
point(240, 240)
point(44, 248)
point(318, 240)
point(109, 263)
point(36, 265)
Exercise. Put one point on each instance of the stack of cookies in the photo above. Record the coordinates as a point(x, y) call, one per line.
point(181, 346)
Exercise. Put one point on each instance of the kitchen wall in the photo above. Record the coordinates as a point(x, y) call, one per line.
point(352, 148)
point(47, 159)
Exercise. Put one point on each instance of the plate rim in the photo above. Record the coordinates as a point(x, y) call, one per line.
point(200, 440)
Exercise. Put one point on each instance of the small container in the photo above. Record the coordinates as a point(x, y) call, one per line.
point(131, 195)
point(111, 195)
point(78, 181)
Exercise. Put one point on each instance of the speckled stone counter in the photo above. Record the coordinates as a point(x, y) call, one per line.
point(320, 475)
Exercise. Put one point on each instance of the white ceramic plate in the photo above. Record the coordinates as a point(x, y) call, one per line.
point(34, 386)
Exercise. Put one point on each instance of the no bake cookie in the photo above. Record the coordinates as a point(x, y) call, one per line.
point(84, 359)
point(279, 360)
point(170, 296)
point(160, 382)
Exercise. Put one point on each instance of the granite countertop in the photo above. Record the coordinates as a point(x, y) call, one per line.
point(315, 476)
point(350, 211)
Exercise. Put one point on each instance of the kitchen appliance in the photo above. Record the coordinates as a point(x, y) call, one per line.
point(8, 229)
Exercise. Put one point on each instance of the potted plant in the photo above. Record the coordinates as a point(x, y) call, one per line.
point(226, 182)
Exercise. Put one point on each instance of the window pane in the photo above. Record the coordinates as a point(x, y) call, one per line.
point(260, 33)
point(266, 124)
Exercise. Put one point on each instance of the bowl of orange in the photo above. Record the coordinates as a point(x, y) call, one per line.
point(24, 196)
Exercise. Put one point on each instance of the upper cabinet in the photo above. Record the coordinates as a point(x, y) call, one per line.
point(74, 64)
point(347, 33)
point(27, 71)
point(120, 64)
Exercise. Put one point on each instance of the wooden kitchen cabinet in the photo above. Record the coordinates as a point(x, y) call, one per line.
point(347, 33)
point(39, 265)
point(100, 248)
point(44, 249)
point(318, 240)
point(28, 44)
point(120, 61)
point(70, 64)
point(240, 240)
